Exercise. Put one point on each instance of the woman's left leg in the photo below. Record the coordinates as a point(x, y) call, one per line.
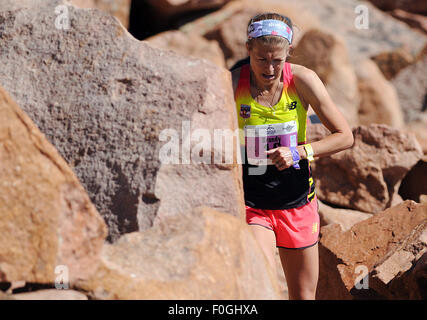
point(301, 268)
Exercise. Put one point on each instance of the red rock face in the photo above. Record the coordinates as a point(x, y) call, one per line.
point(367, 176)
point(379, 102)
point(385, 245)
point(47, 219)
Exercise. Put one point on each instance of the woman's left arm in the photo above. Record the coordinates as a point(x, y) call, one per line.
point(314, 93)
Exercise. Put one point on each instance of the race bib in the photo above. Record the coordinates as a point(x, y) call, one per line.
point(259, 138)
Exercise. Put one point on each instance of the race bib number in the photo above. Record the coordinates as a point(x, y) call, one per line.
point(259, 138)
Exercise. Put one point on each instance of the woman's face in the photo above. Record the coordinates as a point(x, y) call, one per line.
point(267, 62)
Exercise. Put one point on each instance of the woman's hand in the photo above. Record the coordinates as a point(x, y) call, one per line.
point(281, 157)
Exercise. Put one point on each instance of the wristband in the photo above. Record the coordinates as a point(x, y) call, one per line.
point(295, 157)
point(309, 150)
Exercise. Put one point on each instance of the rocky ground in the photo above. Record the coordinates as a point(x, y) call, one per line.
point(87, 205)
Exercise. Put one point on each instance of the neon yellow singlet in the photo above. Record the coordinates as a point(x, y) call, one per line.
point(263, 128)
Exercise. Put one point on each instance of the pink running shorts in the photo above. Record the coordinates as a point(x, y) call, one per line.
point(296, 228)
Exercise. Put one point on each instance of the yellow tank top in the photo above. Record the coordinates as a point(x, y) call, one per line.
point(285, 123)
point(261, 128)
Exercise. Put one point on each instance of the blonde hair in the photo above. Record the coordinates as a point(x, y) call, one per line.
point(270, 39)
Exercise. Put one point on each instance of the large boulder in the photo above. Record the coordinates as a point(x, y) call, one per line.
point(379, 102)
point(411, 84)
point(111, 105)
point(327, 55)
point(365, 261)
point(205, 255)
point(367, 176)
point(46, 217)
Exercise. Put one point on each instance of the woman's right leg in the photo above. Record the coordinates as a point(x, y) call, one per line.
point(267, 241)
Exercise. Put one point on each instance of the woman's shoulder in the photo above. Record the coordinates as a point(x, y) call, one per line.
point(300, 71)
point(303, 76)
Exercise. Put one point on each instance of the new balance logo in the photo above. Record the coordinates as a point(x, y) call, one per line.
point(314, 228)
point(292, 105)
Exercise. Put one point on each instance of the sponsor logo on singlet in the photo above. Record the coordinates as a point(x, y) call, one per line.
point(292, 105)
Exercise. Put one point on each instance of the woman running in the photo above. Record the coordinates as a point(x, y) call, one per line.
point(272, 98)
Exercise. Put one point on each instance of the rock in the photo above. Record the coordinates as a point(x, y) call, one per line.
point(423, 198)
point(348, 257)
point(119, 9)
point(407, 5)
point(47, 219)
point(379, 102)
point(411, 84)
point(414, 183)
point(367, 176)
point(327, 55)
point(188, 45)
point(415, 21)
point(204, 255)
point(344, 217)
point(419, 129)
point(400, 261)
point(402, 274)
point(391, 62)
point(50, 294)
point(110, 104)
